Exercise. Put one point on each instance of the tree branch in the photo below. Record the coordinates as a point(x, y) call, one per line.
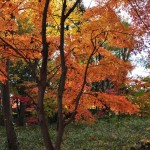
point(72, 8)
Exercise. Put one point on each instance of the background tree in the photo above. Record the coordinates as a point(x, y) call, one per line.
point(11, 135)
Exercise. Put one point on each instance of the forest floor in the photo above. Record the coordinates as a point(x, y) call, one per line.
point(109, 133)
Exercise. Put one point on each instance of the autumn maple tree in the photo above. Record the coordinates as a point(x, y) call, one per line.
point(66, 48)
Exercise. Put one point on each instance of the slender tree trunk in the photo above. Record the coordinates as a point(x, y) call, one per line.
point(21, 114)
point(62, 81)
point(10, 132)
point(42, 119)
point(61, 87)
point(42, 83)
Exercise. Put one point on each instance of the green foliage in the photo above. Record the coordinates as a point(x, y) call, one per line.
point(144, 106)
point(115, 133)
point(19, 73)
point(24, 26)
point(50, 107)
point(140, 95)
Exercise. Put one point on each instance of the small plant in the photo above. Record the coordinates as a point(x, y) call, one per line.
point(140, 95)
point(20, 106)
point(32, 120)
point(50, 107)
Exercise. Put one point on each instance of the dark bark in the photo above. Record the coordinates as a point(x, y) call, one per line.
point(42, 83)
point(61, 88)
point(21, 114)
point(62, 80)
point(42, 119)
point(10, 132)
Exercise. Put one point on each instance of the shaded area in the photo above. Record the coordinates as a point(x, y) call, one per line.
point(110, 132)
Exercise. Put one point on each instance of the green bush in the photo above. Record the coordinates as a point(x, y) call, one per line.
point(50, 107)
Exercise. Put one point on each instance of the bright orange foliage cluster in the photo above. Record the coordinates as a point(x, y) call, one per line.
point(86, 37)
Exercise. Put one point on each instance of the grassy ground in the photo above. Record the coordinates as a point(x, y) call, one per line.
point(111, 133)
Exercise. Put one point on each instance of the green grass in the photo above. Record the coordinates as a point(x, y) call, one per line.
point(106, 134)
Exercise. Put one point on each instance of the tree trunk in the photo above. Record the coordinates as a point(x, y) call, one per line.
point(10, 132)
point(62, 81)
point(61, 87)
point(21, 114)
point(42, 119)
point(43, 81)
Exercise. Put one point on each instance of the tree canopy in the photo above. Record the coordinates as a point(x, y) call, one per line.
point(63, 48)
